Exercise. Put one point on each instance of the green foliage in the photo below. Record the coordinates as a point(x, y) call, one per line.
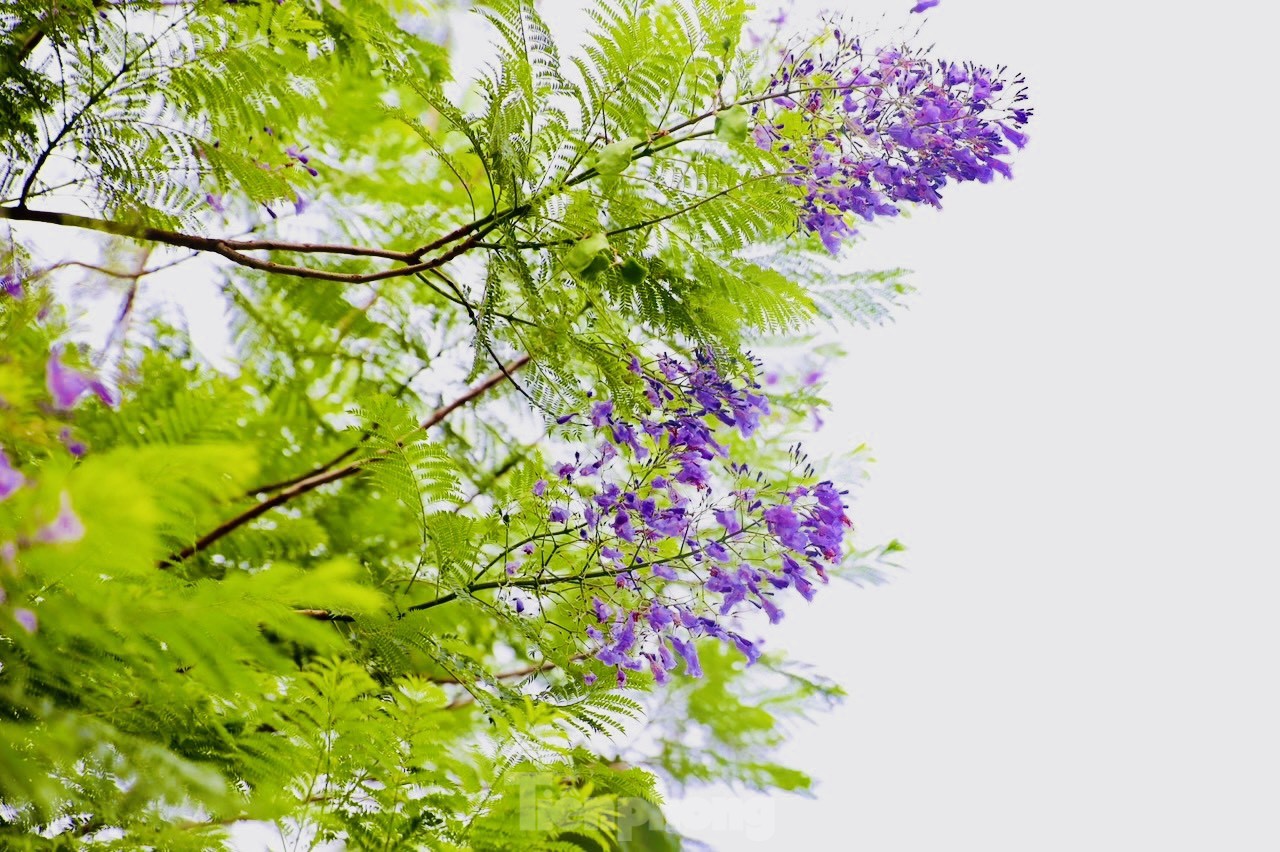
point(288, 603)
point(723, 727)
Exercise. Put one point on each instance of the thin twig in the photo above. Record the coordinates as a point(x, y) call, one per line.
point(321, 476)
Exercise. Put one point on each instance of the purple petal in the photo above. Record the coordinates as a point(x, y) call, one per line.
point(10, 479)
point(65, 528)
point(66, 385)
point(27, 619)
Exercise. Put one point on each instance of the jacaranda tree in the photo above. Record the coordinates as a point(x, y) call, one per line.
point(469, 537)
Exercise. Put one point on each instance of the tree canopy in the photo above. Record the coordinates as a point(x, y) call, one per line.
point(469, 536)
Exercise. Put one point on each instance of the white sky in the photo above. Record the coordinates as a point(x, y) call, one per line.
point(1076, 431)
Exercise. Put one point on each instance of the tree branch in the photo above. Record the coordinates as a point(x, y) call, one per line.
point(330, 473)
point(233, 250)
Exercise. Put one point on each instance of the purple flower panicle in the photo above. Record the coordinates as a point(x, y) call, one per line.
point(691, 539)
point(11, 285)
point(895, 127)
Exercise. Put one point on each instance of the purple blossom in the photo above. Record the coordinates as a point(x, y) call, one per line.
point(749, 649)
point(622, 527)
point(625, 435)
point(803, 526)
point(692, 665)
point(784, 524)
point(1018, 138)
point(65, 528)
point(26, 620)
point(10, 478)
point(660, 675)
point(693, 471)
point(660, 617)
point(539, 488)
point(11, 284)
point(771, 609)
point(803, 586)
point(717, 551)
point(559, 514)
point(895, 127)
point(601, 609)
point(589, 678)
point(66, 385)
point(601, 413)
point(215, 201)
point(74, 446)
point(728, 519)
point(924, 5)
point(666, 572)
point(669, 523)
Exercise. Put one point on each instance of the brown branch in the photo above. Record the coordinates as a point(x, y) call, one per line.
point(436, 417)
point(539, 582)
point(532, 582)
point(322, 476)
point(233, 250)
point(492, 379)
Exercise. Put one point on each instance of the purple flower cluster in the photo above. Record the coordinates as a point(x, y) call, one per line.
point(11, 285)
point(689, 538)
point(65, 526)
point(67, 385)
point(25, 618)
point(293, 153)
point(10, 479)
point(867, 131)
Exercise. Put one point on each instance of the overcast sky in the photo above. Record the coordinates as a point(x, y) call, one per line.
point(1076, 432)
